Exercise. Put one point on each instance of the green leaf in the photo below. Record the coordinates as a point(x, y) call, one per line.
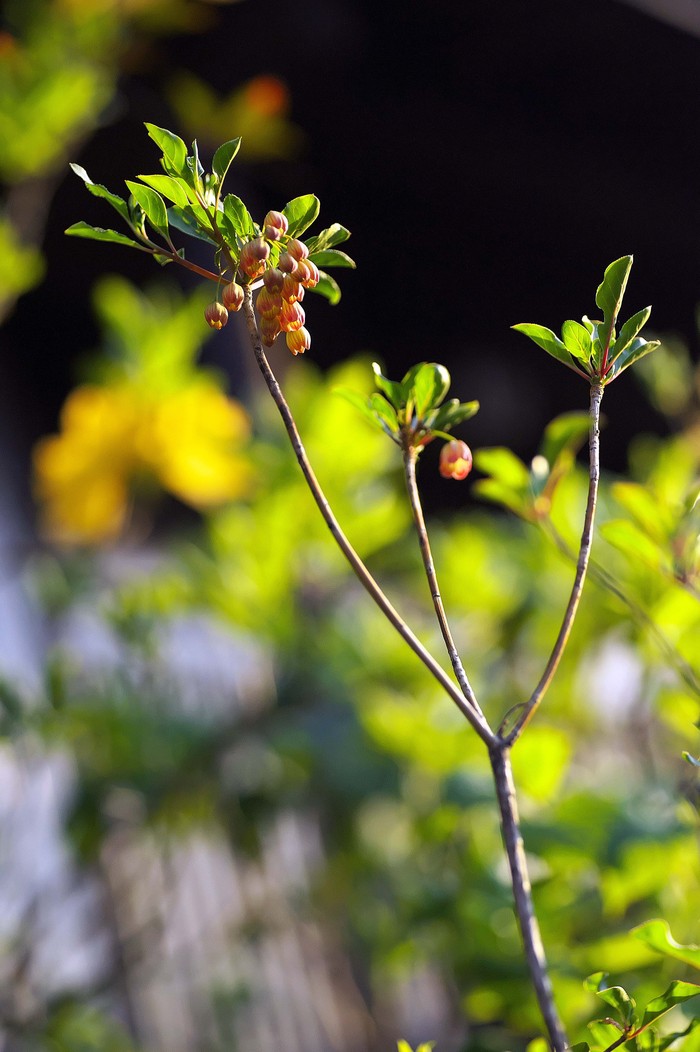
point(361, 403)
point(98, 233)
point(331, 257)
point(577, 341)
point(153, 205)
point(660, 1044)
point(194, 171)
point(172, 147)
point(98, 190)
point(636, 350)
point(223, 157)
point(173, 189)
point(390, 388)
point(430, 384)
point(677, 993)
point(384, 410)
point(502, 464)
point(327, 287)
point(609, 295)
point(635, 544)
point(301, 212)
point(566, 431)
point(335, 234)
point(547, 340)
point(615, 996)
point(498, 493)
point(239, 217)
point(628, 332)
point(186, 221)
point(657, 934)
point(452, 413)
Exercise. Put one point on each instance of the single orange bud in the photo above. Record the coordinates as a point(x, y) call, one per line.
point(287, 263)
point(269, 304)
point(232, 296)
point(291, 317)
point(216, 315)
point(307, 273)
point(297, 249)
point(269, 330)
point(273, 279)
point(275, 225)
point(253, 257)
point(291, 289)
point(455, 460)
point(298, 341)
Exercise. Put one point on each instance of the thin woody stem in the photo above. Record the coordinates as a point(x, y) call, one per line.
point(530, 708)
point(475, 718)
point(409, 461)
point(522, 894)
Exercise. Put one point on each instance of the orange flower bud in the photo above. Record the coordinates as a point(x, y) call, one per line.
point(273, 279)
point(287, 263)
point(216, 315)
point(291, 317)
point(307, 273)
point(269, 330)
point(232, 296)
point(275, 225)
point(298, 341)
point(253, 257)
point(291, 289)
point(269, 304)
point(297, 249)
point(455, 460)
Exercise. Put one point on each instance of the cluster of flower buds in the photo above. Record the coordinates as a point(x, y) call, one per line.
point(455, 460)
point(284, 285)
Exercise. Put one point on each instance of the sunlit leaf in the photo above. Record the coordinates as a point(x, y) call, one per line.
point(172, 147)
point(657, 934)
point(98, 233)
point(301, 212)
point(335, 234)
point(331, 257)
point(223, 157)
point(239, 217)
point(153, 205)
point(547, 340)
point(677, 993)
point(98, 190)
point(171, 188)
point(327, 287)
point(577, 340)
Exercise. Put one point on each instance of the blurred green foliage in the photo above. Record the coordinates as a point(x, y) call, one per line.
point(351, 728)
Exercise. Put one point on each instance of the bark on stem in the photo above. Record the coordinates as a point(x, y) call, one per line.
point(522, 894)
point(474, 717)
point(581, 567)
point(409, 460)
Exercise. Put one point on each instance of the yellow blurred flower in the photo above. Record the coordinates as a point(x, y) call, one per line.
point(113, 437)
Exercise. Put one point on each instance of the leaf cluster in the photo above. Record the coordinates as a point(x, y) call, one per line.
point(594, 349)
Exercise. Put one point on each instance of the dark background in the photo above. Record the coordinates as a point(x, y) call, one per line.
point(490, 160)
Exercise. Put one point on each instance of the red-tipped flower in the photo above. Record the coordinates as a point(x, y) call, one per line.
point(307, 273)
point(269, 304)
point(269, 330)
point(275, 225)
point(287, 263)
point(232, 296)
point(455, 460)
point(216, 315)
point(291, 316)
point(273, 279)
point(297, 249)
point(298, 341)
point(291, 289)
point(253, 257)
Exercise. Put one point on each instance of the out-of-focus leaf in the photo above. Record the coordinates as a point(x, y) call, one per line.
point(677, 993)
point(657, 934)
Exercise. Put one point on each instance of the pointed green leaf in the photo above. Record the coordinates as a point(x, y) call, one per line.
point(172, 147)
point(677, 993)
point(184, 221)
point(566, 431)
point(615, 996)
point(361, 403)
point(452, 413)
point(628, 332)
point(172, 189)
point(223, 157)
point(98, 190)
point(98, 233)
point(577, 341)
point(327, 287)
point(547, 340)
point(193, 170)
point(660, 1044)
point(239, 217)
point(331, 257)
point(502, 464)
point(609, 297)
point(301, 212)
point(391, 389)
point(657, 934)
point(430, 385)
point(384, 410)
point(153, 205)
point(335, 234)
point(636, 350)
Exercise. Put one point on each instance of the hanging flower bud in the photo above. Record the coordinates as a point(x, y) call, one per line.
point(273, 279)
point(455, 460)
point(287, 263)
point(232, 296)
point(216, 315)
point(268, 303)
point(307, 273)
point(253, 257)
point(291, 317)
point(269, 330)
point(297, 249)
point(291, 289)
point(298, 341)
point(275, 225)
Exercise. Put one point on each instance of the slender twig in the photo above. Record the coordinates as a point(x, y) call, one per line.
point(409, 461)
point(581, 567)
point(475, 718)
point(522, 894)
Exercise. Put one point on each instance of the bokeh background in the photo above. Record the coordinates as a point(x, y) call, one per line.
point(235, 815)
